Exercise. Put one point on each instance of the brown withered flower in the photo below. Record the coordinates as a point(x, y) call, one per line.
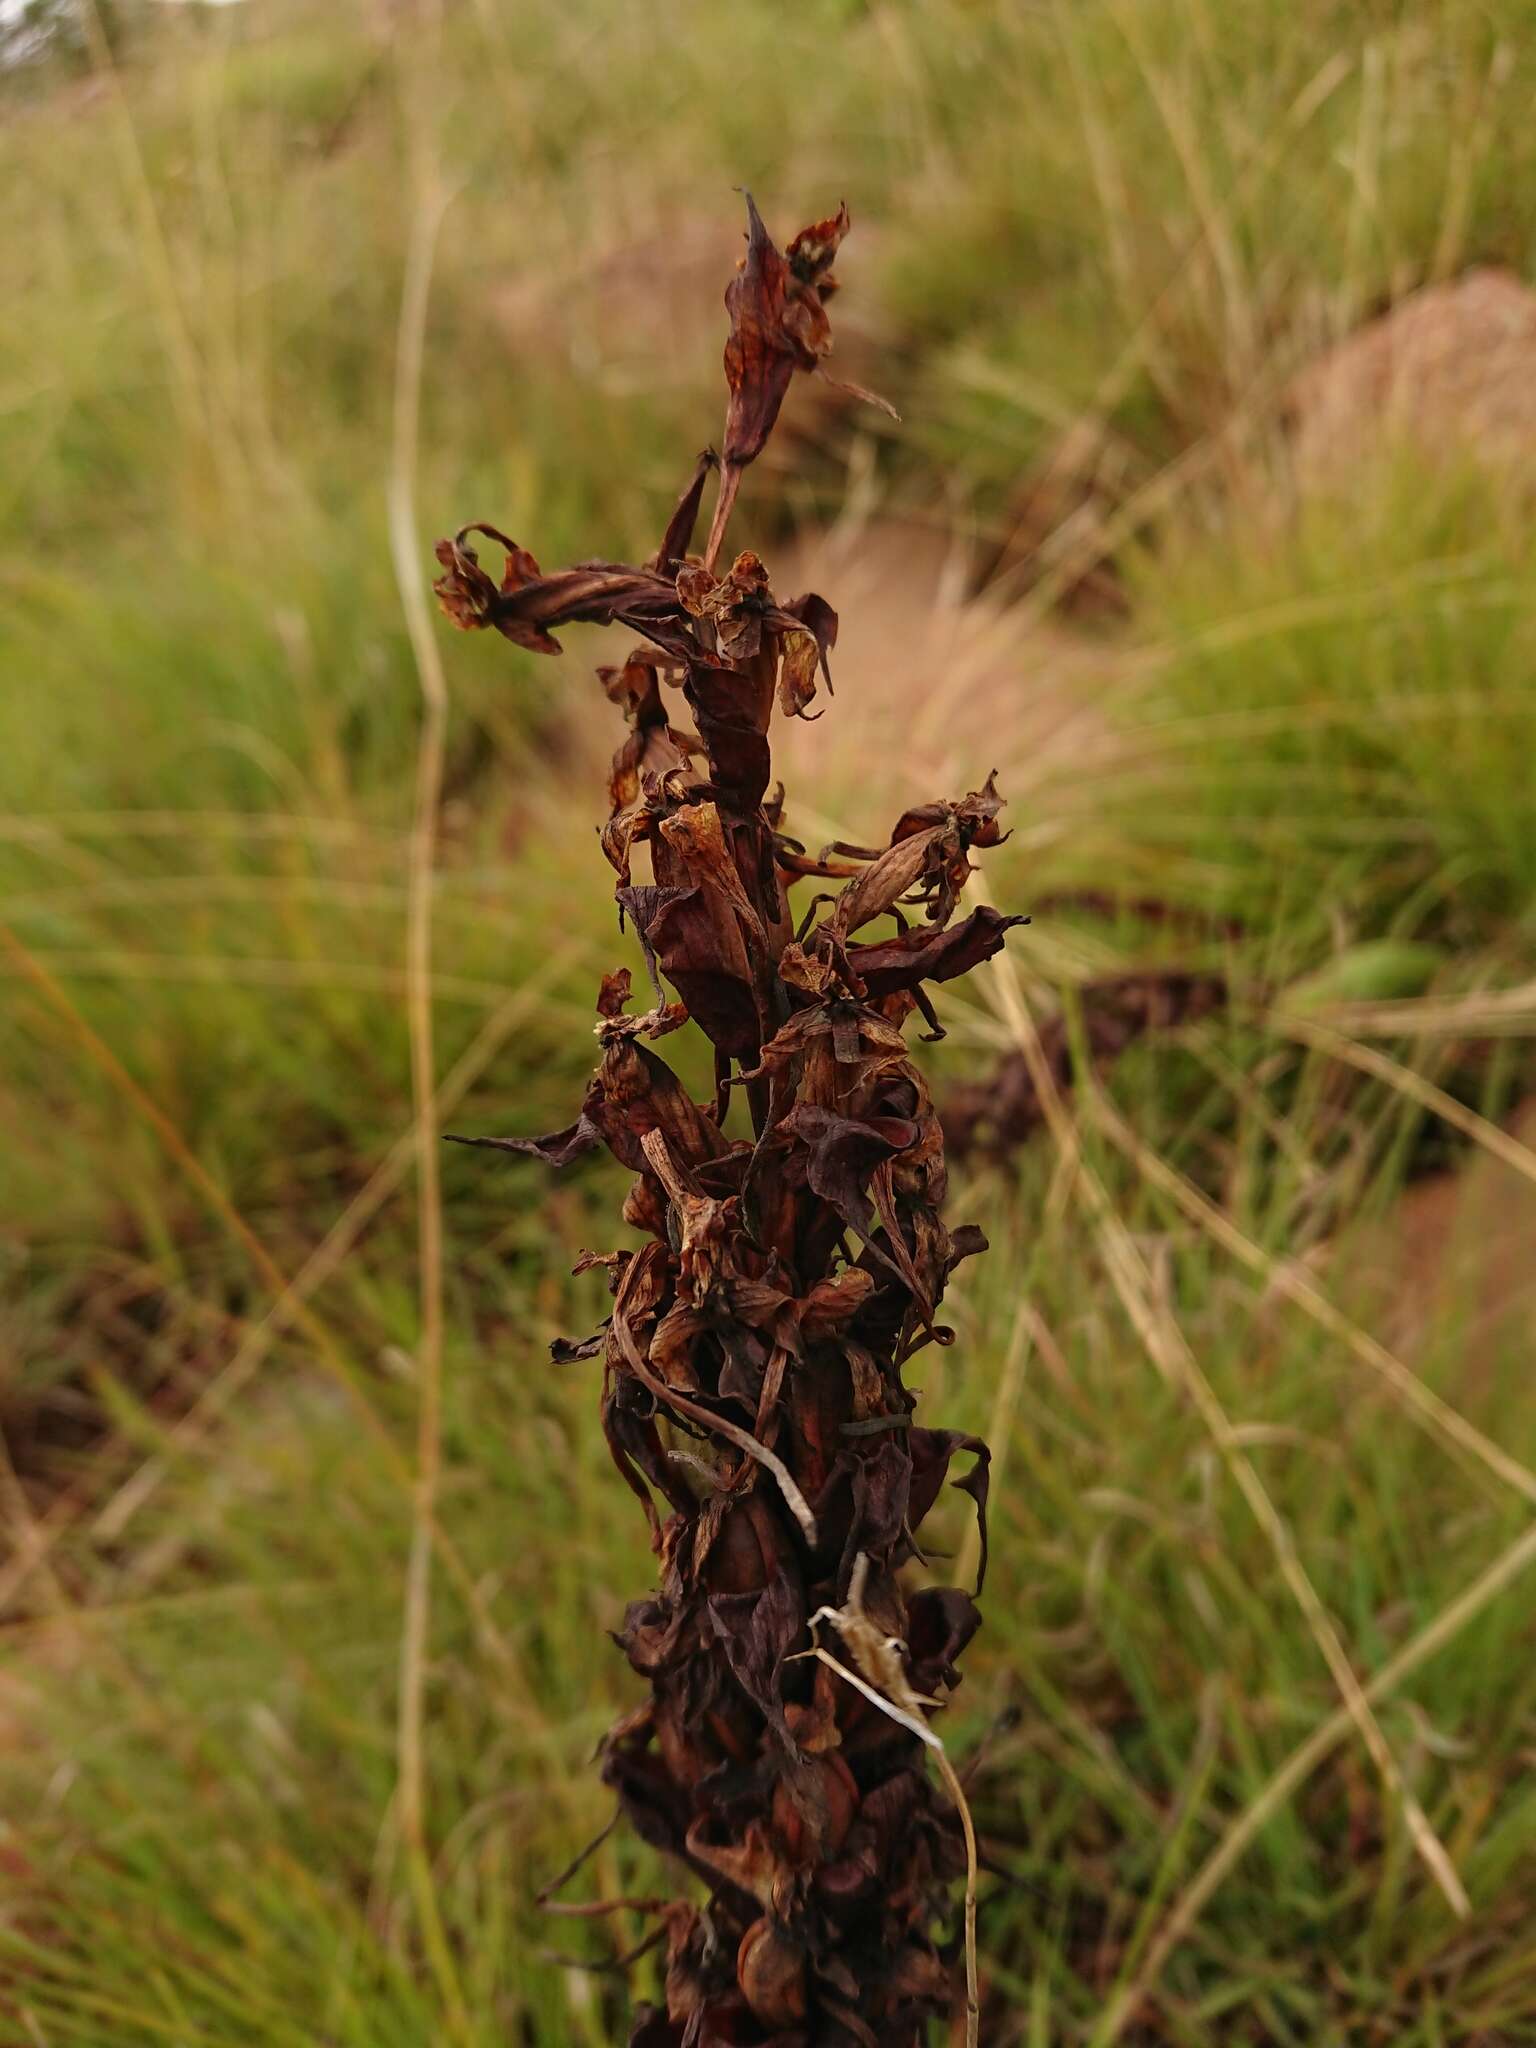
point(792, 1257)
point(778, 306)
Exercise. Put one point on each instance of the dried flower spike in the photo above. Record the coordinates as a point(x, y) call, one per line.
point(791, 1262)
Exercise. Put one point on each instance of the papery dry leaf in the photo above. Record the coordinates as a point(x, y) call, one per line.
point(805, 653)
point(926, 955)
point(678, 538)
point(559, 1148)
point(698, 945)
point(732, 712)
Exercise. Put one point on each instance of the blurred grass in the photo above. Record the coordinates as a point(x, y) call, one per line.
point(1092, 244)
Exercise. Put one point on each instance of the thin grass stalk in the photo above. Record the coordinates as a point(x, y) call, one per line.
point(328, 1352)
point(1182, 1916)
point(1169, 1352)
point(411, 1786)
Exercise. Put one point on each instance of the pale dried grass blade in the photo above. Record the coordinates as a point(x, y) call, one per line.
point(1169, 1351)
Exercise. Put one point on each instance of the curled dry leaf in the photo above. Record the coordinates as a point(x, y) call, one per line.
point(792, 1257)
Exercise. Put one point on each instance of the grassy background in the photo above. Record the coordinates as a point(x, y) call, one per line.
point(1094, 242)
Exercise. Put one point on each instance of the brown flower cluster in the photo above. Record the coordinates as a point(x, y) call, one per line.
point(793, 1258)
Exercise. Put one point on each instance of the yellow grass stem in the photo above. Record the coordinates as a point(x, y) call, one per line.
point(1297, 1768)
point(1285, 1278)
point(1169, 1351)
point(411, 1793)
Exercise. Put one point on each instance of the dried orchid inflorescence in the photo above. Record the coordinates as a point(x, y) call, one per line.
point(752, 1382)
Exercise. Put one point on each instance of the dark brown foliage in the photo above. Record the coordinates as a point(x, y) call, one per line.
point(752, 1358)
point(1003, 1111)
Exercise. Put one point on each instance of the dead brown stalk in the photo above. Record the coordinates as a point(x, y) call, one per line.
point(791, 1259)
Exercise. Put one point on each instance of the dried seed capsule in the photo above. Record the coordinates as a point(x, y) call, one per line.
point(770, 1968)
